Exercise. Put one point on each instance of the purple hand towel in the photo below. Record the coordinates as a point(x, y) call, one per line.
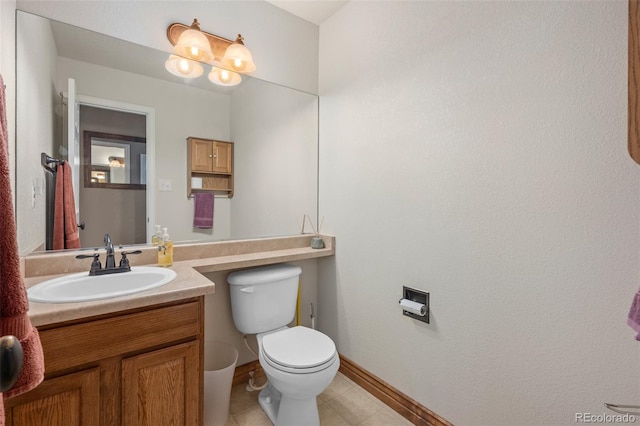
point(634, 315)
point(203, 211)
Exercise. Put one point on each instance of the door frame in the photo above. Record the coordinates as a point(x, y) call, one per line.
point(150, 120)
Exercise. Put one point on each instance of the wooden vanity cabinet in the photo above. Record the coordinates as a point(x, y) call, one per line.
point(71, 399)
point(212, 162)
point(137, 367)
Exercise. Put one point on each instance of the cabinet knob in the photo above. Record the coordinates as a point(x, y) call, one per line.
point(210, 155)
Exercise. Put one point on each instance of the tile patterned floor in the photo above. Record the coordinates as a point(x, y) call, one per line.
point(343, 403)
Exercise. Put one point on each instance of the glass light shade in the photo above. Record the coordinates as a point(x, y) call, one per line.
point(224, 77)
point(183, 67)
point(195, 45)
point(238, 58)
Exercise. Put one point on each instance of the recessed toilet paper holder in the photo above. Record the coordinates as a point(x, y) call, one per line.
point(417, 296)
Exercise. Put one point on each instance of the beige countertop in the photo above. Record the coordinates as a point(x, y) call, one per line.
point(191, 261)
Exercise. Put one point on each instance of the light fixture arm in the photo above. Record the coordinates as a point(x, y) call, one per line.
point(192, 46)
point(218, 44)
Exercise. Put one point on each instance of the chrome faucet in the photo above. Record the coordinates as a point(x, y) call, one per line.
point(110, 263)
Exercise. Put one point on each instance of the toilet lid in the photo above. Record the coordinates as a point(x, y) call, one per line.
point(298, 347)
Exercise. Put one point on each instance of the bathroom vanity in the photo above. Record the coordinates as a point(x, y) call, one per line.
point(136, 359)
point(140, 366)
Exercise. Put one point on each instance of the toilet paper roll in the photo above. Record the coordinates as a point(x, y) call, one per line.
point(413, 307)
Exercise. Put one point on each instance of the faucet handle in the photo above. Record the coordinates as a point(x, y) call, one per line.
point(95, 265)
point(124, 262)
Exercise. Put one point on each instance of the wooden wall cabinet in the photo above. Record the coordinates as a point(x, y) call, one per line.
point(211, 161)
point(139, 367)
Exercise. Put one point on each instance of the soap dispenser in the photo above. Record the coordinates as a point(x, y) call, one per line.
point(165, 250)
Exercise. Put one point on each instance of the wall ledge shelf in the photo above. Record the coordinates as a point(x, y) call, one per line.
point(191, 261)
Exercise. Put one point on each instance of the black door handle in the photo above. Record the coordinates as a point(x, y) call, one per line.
point(11, 360)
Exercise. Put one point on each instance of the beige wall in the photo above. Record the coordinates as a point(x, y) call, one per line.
point(478, 151)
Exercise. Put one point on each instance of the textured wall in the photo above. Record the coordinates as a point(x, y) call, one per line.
point(477, 150)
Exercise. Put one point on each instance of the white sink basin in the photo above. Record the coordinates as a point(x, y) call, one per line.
point(81, 287)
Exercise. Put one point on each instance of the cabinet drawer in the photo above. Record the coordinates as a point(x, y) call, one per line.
point(74, 345)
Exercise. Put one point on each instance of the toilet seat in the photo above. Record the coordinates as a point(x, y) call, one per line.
point(298, 350)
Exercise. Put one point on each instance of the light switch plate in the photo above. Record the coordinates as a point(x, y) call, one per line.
point(165, 185)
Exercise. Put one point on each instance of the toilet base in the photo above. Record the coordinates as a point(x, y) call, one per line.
point(288, 411)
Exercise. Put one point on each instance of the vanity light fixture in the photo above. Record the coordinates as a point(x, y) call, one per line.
point(224, 77)
point(193, 44)
point(183, 67)
point(238, 57)
point(227, 57)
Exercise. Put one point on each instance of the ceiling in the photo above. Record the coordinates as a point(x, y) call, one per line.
point(315, 11)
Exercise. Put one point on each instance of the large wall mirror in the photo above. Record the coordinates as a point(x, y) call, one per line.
point(120, 88)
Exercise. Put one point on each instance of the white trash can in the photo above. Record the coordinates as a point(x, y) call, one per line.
point(218, 378)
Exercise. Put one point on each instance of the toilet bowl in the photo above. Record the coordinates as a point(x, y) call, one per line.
point(299, 362)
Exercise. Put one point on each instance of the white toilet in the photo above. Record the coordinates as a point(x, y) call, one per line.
point(299, 362)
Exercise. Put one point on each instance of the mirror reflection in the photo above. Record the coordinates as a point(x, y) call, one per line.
point(114, 161)
point(66, 74)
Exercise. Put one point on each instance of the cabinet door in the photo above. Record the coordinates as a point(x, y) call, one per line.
point(201, 155)
point(68, 400)
point(222, 157)
point(162, 387)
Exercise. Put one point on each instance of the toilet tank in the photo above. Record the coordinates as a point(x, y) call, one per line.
point(264, 298)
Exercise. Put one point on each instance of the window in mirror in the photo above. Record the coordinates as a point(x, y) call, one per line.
point(114, 161)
